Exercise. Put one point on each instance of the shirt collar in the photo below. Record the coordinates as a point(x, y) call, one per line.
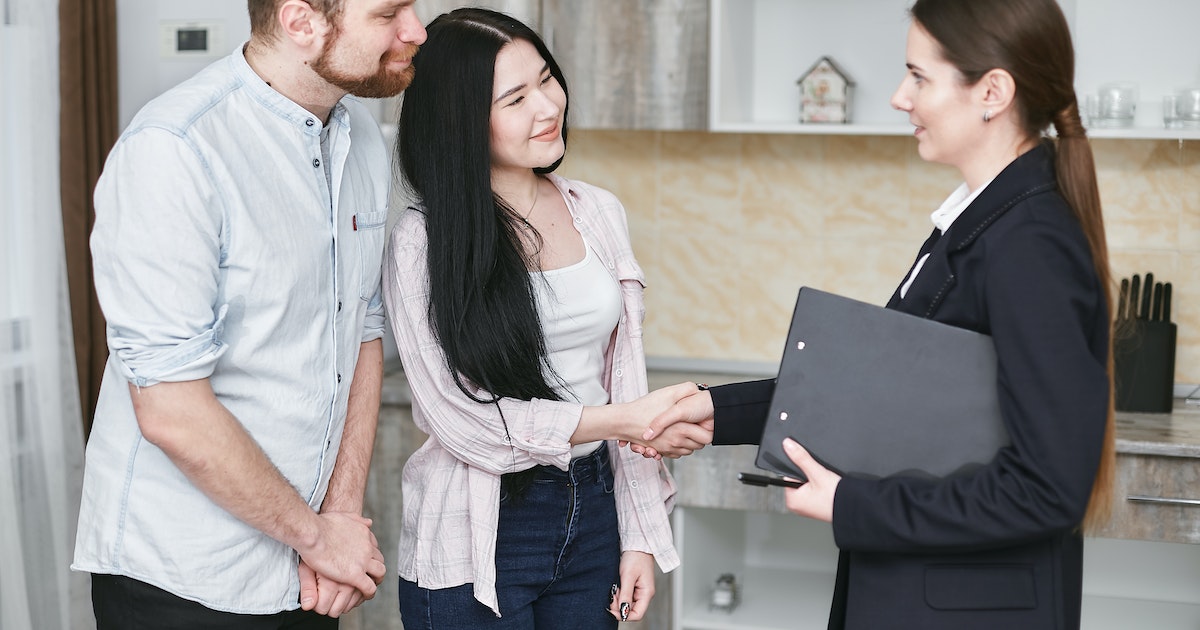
point(955, 205)
point(279, 104)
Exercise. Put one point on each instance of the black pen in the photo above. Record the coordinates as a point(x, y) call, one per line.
point(752, 479)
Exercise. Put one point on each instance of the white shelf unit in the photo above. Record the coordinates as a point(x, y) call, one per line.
point(785, 567)
point(759, 48)
point(1140, 584)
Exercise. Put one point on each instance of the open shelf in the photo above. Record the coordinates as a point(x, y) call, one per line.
point(759, 48)
point(784, 566)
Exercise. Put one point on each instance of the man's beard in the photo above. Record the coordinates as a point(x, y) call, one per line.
point(382, 84)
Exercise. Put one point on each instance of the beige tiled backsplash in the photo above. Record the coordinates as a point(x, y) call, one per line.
point(729, 226)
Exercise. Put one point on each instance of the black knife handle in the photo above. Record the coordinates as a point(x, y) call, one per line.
point(1156, 309)
point(1135, 292)
point(1123, 299)
point(1166, 306)
point(1147, 295)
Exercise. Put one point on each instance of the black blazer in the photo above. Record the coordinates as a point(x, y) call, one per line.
point(998, 547)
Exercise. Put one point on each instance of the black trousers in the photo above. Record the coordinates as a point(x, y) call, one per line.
point(123, 603)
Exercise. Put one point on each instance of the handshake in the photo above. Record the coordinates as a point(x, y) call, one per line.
point(681, 421)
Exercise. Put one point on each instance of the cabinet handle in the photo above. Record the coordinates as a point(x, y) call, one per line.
point(1137, 498)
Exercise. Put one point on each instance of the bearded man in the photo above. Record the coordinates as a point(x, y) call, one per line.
point(237, 251)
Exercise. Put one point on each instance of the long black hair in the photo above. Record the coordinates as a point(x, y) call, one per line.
point(481, 301)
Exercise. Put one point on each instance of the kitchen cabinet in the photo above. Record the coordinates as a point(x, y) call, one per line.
point(759, 48)
point(629, 64)
point(632, 64)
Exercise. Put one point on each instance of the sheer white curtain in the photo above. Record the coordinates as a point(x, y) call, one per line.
point(41, 437)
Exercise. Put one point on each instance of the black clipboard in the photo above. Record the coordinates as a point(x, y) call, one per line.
point(872, 392)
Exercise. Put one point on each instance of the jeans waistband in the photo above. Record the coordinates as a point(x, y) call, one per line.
point(591, 467)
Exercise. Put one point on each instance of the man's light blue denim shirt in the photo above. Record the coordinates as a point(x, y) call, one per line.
point(222, 252)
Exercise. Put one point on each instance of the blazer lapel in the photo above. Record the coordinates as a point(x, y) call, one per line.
point(1034, 171)
point(931, 285)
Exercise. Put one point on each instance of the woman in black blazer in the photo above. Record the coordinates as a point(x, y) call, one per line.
point(1018, 252)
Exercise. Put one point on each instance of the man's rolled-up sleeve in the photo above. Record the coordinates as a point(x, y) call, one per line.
point(156, 249)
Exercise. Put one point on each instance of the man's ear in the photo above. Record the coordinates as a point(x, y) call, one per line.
point(997, 90)
point(302, 24)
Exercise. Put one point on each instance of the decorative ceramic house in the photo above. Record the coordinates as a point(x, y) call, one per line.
point(825, 93)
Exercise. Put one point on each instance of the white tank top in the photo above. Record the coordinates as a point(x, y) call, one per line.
point(580, 306)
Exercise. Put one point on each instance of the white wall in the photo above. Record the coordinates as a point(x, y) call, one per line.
point(144, 71)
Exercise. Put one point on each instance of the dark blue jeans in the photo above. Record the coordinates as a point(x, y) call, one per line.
point(557, 556)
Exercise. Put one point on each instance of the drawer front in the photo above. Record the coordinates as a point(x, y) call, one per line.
point(1156, 498)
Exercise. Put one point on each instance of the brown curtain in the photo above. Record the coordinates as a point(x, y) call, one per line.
point(88, 128)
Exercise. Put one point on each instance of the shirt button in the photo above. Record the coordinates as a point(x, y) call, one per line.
point(578, 220)
point(620, 372)
point(339, 307)
point(316, 163)
point(310, 122)
point(339, 378)
point(633, 484)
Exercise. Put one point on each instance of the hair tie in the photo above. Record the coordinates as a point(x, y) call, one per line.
point(1068, 123)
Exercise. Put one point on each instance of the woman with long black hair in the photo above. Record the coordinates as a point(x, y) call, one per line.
point(517, 307)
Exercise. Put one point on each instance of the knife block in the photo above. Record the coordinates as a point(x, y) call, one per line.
point(1144, 366)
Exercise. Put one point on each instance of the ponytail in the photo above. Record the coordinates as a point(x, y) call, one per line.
point(1076, 172)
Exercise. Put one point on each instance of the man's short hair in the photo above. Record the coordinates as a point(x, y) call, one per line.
point(264, 24)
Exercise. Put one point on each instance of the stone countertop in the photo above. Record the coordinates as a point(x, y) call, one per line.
point(1175, 434)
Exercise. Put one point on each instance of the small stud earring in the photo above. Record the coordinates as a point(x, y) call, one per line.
point(987, 116)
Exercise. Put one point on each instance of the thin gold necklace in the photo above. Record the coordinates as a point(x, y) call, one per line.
point(536, 189)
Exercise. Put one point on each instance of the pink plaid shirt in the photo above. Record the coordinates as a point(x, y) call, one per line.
point(451, 485)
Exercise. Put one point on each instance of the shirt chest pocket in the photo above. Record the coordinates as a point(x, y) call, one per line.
point(369, 236)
